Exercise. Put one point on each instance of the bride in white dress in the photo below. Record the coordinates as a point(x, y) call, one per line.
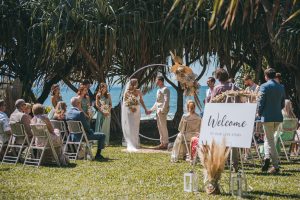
point(131, 114)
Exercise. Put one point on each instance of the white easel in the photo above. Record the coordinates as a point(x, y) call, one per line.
point(240, 155)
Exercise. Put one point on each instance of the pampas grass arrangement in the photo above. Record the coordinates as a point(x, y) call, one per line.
point(213, 158)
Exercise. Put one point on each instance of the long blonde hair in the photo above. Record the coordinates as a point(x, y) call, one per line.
point(287, 111)
point(190, 106)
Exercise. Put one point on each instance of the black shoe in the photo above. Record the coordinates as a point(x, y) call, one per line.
point(273, 170)
point(235, 167)
point(99, 157)
point(266, 165)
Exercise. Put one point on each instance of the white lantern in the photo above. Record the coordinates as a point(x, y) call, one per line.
point(190, 181)
point(174, 158)
point(237, 185)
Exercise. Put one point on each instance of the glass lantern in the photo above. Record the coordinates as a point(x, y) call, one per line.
point(237, 185)
point(174, 157)
point(190, 182)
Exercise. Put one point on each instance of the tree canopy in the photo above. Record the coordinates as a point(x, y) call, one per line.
point(45, 42)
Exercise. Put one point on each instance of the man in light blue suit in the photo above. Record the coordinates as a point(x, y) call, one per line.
point(76, 115)
point(270, 104)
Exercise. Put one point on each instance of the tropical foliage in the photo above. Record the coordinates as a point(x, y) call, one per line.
point(44, 42)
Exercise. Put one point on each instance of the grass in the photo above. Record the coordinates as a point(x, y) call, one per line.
point(133, 176)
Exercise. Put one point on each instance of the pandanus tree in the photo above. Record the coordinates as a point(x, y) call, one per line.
point(20, 51)
point(145, 36)
point(78, 36)
point(273, 28)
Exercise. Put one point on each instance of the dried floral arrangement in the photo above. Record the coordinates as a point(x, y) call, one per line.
point(213, 158)
point(186, 77)
point(243, 96)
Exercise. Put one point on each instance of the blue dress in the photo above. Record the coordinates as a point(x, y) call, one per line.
point(102, 122)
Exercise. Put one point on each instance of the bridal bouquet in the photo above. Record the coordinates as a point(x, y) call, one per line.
point(131, 101)
point(104, 107)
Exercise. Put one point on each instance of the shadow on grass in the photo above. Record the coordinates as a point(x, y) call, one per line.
point(5, 169)
point(70, 165)
point(292, 170)
point(266, 174)
point(271, 194)
point(106, 160)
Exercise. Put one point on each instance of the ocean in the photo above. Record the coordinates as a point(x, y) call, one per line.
point(149, 98)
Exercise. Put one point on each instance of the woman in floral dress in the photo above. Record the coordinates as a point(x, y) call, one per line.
point(103, 104)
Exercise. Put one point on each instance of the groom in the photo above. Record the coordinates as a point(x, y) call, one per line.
point(161, 107)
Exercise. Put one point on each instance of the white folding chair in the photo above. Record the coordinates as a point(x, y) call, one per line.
point(40, 133)
point(61, 126)
point(288, 128)
point(2, 136)
point(76, 128)
point(17, 141)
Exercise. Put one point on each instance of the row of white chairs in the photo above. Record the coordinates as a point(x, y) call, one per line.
point(19, 141)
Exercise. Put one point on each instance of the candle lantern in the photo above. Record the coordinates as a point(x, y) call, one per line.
point(237, 185)
point(190, 182)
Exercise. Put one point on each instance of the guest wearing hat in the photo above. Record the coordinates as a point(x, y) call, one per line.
point(20, 116)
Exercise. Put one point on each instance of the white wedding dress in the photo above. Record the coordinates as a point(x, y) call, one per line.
point(131, 126)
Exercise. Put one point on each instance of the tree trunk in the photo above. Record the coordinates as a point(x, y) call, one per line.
point(115, 123)
point(179, 111)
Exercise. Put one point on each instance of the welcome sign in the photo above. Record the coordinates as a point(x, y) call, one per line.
point(232, 121)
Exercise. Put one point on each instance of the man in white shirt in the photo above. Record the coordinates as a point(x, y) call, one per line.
point(250, 85)
point(211, 85)
point(161, 107)
point(4, 123)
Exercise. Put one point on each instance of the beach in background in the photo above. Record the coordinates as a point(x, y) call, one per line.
point(149, 98)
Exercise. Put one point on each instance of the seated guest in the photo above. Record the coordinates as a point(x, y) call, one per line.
point(60, 111)
point(28, 110)
point(75, 114)
point(289, 120)
point(19, 116)
point(189, 126)
point(4, 125)
point(40, 118)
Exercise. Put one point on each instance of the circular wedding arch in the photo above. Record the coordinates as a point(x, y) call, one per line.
point(132, 75)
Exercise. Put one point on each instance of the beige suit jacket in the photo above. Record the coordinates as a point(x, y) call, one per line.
point(162, 100)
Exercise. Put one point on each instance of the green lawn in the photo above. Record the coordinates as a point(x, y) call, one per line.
point(132, 176)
